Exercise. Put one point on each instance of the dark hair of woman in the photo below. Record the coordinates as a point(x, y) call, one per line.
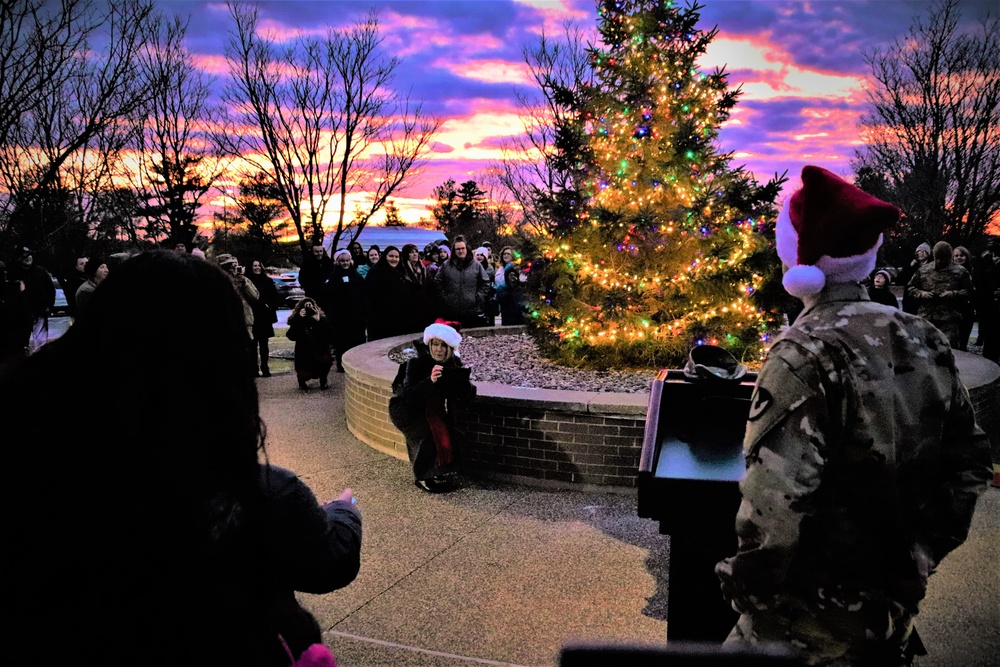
point(141, 462)
point(382, 265)
point(358, 254)
point(413, 272)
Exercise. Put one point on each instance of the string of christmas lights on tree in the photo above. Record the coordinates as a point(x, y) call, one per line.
point(663, 248)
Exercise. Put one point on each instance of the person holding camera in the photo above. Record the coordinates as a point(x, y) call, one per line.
point(313, 336)
point(248, 295)
point(425, 392)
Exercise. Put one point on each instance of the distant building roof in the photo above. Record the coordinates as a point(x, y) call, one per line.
point(385, 236)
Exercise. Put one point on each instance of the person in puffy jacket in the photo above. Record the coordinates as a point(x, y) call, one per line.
point(462, 287)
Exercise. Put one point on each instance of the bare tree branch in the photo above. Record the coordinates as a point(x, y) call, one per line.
point(178, 162)
point(931, 131)
point(321, 119)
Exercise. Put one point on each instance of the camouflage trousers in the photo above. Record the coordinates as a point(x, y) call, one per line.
point(951, 330)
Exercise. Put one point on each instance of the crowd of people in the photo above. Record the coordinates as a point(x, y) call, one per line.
point(405, 289)
point(864, 458)
point(950, 289)
point(354, 296)
point(385, 292)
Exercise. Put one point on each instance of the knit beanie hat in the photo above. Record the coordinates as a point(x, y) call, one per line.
point(342, 251)
point(829, 230)
point(92, 265)
point(886, 274)
point(443, 330)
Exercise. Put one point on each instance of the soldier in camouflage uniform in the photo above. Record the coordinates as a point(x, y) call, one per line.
point(864, 461)
point(941, 291)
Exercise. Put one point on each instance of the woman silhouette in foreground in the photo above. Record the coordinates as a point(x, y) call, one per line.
point(144, 525)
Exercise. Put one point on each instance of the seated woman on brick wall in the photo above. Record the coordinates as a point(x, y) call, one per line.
point(424, 394)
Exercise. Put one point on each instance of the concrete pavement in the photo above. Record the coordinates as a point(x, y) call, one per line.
point(497, 574)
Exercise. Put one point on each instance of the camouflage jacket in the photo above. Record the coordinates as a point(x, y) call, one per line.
point(864, 463)
point(941, 295)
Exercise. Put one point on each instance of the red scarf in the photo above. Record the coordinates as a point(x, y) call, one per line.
point(439, 431)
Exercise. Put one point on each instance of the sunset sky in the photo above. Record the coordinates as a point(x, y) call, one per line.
point(800, 65)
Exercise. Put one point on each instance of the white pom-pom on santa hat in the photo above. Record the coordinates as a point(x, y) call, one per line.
point(443, 330)
point(829, 231)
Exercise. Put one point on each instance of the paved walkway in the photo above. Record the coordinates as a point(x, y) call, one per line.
point(496, 574)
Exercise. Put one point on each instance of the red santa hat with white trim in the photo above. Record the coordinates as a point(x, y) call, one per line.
point(829, 231)
point(444, 330)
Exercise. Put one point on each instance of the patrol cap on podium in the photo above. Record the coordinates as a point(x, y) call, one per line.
point(710, 362)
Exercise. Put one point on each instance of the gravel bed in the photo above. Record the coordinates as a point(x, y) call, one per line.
point(513, 360)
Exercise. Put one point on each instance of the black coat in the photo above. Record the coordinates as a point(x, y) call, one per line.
point(265, 308)
point(152, 566)
point(883, 296)
point(313, 340)
point(313, 274)
point(513, 303)
point(412, 391)
point(417, 307)
point(343, 301)
point(38, 288)
point(386, 297)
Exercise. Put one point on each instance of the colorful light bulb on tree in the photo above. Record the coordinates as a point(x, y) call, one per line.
point(661, 245)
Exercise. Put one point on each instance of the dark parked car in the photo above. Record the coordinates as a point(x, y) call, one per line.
point(288, 287)
point(60, 308)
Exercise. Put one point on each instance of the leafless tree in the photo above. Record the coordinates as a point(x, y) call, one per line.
point(178, 161)
point(321, 118)
point(932, 130)
point(68, 71)
point(529, 168)
point(68, 80)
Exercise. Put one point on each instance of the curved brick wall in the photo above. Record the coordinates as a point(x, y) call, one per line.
point(559, 438)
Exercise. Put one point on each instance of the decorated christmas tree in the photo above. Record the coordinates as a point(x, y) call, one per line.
point(661, 245)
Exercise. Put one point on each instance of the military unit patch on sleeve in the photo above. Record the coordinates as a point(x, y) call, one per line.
point(759, 403)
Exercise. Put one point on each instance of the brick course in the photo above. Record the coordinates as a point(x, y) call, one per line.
point(558, 439)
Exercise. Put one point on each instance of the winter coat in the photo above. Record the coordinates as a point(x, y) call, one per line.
point(512, 302)
point(343, 302)
point(164, 571)
point(313, 339)
point(417, 306)
point(313, 274)
point(38, 288)
point(83, 295)
point(386, 298)
point(15, 322)
point(883, 296)
point(462, 292)
point(412, 392)
point(265, 308)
